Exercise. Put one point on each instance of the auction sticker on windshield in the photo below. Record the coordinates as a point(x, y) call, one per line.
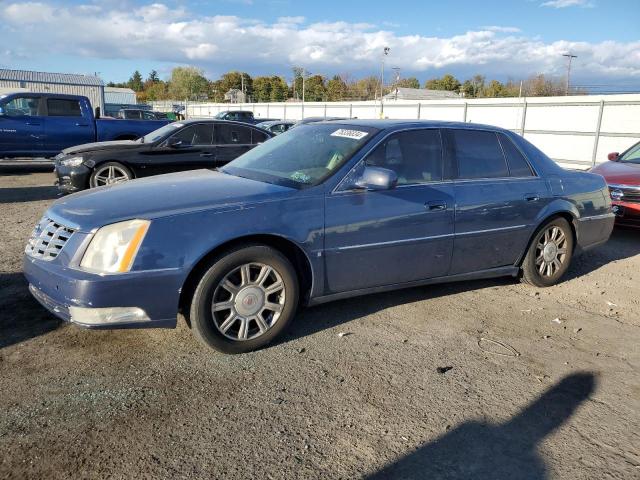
point(346, 133)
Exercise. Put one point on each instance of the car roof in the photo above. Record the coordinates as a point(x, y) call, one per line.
point(397, 124)
point(218, 120)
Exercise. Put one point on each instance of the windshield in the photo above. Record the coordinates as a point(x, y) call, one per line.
point(304, 156)
point(221, 115)
point(632, 156)
point(162, 132)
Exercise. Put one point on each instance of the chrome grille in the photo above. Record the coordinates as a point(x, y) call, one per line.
point(47, 239)
point(625, 193)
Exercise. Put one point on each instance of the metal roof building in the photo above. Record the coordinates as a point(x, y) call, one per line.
point(124, 96)
point(43, 82)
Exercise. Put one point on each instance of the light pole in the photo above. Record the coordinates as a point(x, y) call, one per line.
point(385, 51)
point(570, 57)
point(397, 82)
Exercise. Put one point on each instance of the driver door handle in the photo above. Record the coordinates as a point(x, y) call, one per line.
point(435, 206)
point(206, 154)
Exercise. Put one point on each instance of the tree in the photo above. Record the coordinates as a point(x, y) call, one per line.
point(494, 89)
point(367, 88)
point(135, 82)
point(447, 82)
point(337, 89)
point(155, 91)
point(411, 82)
point(315, 89)
point(188, 83)
point(236, 80)
point(279, 89)
point(153, 77)
point(262, 89)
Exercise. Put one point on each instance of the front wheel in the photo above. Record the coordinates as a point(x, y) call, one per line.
point(549, 254)
point(108, 174)
point(244, 300)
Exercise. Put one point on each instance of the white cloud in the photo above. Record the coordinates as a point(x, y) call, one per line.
point(157, 33)
point(567, 3)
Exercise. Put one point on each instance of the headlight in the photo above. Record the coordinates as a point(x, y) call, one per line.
point(114, 247)
point(72, 161)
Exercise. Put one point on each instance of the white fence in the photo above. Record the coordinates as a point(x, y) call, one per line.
point(576, 131)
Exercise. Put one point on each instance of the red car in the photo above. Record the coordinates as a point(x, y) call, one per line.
point(622, 174)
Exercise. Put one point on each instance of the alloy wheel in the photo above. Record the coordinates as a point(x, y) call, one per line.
point(110, 175)
point(551, 251)
point(248, 301)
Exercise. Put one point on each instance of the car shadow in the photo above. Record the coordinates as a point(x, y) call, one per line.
point(314, 319)
point(21, 316)
point(482, 451)
point(623, 243)
point(28, 194)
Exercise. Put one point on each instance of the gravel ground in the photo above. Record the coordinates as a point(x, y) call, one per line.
point(407, 384)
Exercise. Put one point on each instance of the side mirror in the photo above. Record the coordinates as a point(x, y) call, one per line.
point(376, 178)
point(2, 113)
point(175, 143)
point(613, 156)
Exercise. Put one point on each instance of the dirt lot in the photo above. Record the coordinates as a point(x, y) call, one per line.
point(409, 392)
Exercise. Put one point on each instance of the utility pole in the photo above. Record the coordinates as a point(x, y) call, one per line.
point(386, 51)
point(397, 70)
point(570, 57)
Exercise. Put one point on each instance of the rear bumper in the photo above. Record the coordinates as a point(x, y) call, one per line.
point(594, 230)
point(72, 179)
point(140, 299)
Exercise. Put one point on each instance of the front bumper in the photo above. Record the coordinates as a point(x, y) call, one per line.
point(627, 213)
point(72, 179)
point(131, 300)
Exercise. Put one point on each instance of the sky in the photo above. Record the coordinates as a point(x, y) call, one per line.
point(499, 39)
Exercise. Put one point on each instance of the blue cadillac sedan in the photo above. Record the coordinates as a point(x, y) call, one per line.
point(325, 211)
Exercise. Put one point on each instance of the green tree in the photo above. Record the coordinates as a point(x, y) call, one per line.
point(156, 91)
point(366, 88)
point(153, 77)
point(135, 82)
point(188, 83)
point(279, 89)
point(236, 80)
point(447, 82)
point(494, 89)
point(262, 89)
point(337, 89)
point(411, 82)
point(315, 89)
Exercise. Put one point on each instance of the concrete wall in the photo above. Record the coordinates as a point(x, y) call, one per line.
point(576, 131)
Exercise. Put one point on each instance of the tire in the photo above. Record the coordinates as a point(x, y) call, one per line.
point(109, 173)
point(549, 254)
point(246, 316)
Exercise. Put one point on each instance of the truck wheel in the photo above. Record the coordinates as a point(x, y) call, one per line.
point(244, 299)
point(549, 254)
point(108, 174)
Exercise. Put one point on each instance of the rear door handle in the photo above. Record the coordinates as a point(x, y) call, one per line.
point(32, 123)
point(435, 206)
point(82, 124)
point(531, 197)
point(206, 154)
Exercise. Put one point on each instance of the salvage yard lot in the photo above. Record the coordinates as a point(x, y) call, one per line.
point(357, 388)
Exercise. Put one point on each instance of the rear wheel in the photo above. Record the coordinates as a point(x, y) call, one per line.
point(108, 174)
point(549, 254)
point(244, 300)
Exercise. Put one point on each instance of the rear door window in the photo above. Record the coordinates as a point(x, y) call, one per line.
point(478, 154)
point(59, 107)
point(230, 134)
point(518, 165)
point(258, 137)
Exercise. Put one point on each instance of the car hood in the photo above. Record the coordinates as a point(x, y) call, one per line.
point(619, 172)
point(100, 146)
point(162, 195)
